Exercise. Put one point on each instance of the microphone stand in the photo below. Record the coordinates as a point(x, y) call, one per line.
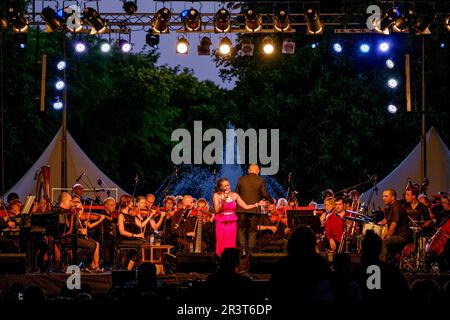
point(164, 195)
point(136, 181)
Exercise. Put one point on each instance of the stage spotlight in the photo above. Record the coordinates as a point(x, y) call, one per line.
point(193, 21)
point(161, 21)
point(268, 46)
point(59, 85)
point(405, 21)
point(337, 48)
point(384, 47)
point(93, 18)
point(390, 64)
point(364, 48)
point(313, 23)
point(52, 21)
point(61, 65)
point(152, 40)
point(447, 23)
point(288, 46)
point(182, 46)
point(72, 12)
point(225, 46)
point(20, 23)
point(388, 19)
point(222, 21)
point(124, 45)
point(80, 47)
point(442, 45)
point(105, 47)
point(253, 21)
point(314, 45)
point(184, 14)
point(422, 25)
point(58, 105)
point(4, 24)
point(203, 49)
point(130, 7)
point(392, 108)
point(392, 83)
point(281, 21)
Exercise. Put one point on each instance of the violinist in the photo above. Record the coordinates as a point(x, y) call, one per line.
point(273, 228)
point(203, 211)
point(131, 229)
point(74, 238)
point(142, 211)
point(107, 233)
point(150, 201)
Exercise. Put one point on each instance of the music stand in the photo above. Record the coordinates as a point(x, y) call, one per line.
point(28, 203)
point(307, 217)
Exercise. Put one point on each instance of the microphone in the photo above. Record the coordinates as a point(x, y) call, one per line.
point(81, 176)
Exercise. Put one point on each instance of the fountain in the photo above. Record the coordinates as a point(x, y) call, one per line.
point(199, 180)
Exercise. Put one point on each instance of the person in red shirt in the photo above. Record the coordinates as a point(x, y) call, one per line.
point(335, 225)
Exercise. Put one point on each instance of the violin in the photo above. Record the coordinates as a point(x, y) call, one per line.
point(278, 216)
point(145, 212)
point(204, 213)
point(6, 213)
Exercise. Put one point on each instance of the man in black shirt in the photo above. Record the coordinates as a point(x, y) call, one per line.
point(397, 221)
point(416, 210)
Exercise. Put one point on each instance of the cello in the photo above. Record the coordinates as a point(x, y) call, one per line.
point(437, 242)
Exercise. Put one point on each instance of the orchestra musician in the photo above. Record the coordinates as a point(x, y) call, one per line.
point(183, 226)
point(6, 245)
point(78, 189)
point(273, 228)
point(131, 228)
point(107, 231)
point(150, 200)
point(397, 234)
point(335, 225)
point(416, 210)
point(329, 206)
point(73, 238)
point(143, 213)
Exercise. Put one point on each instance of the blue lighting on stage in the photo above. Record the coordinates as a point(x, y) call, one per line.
point(337, 47)
point(384, 47)
point(364, 48)
point(390, 64)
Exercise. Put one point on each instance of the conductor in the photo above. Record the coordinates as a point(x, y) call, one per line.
point(252, 189)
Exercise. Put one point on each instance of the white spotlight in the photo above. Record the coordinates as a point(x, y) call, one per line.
point(392, 109)
point(59, 85)
point(390, 64)
point(337, 47)
point(61, 65)
point(365, 48)
point(105, 47)
point(80, 47)
point(392, 83)
point(384, 46)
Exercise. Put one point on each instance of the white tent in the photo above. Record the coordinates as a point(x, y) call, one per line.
point(77, 164)
point(438, 172)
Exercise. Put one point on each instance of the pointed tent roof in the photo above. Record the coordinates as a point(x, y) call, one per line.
point(438, 171)
point(77, 163)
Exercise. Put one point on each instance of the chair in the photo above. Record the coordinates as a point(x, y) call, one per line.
point(121, 251)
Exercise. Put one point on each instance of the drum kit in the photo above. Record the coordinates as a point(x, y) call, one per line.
point(414, 254)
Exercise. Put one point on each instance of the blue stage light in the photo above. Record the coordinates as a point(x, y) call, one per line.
point(364, 48)
point(337, 47)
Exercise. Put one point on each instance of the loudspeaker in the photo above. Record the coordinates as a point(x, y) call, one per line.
point(13, 263)
point(264, 262)
point(122, 277)
point(196, 262)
